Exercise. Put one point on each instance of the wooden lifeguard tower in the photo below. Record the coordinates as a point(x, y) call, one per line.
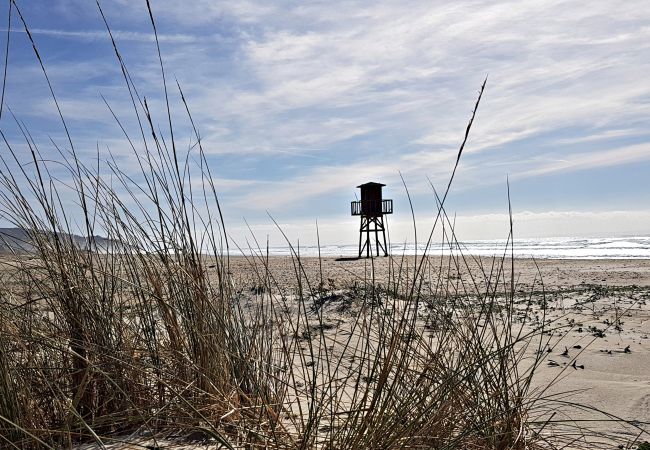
point(372, 208)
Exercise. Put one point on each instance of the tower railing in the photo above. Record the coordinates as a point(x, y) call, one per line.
point(371, 207)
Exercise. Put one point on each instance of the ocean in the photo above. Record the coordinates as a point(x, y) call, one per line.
point(636, 247)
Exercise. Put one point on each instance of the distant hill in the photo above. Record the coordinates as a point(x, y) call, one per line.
point(19, 240)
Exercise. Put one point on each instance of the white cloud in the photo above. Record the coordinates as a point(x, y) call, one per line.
point(119, 35)
point(601, 136)
point(591, 160)
point(304, 79)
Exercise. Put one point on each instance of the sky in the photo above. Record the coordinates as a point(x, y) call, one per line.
point(298, 103)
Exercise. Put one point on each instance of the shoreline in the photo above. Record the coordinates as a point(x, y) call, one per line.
point(619, 247)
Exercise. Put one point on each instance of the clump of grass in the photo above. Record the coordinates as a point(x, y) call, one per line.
point(146, 334)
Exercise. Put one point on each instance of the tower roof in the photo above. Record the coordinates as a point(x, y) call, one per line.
point(371, 183)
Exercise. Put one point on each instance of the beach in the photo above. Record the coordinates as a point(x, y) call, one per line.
point(598, 314)
point(589, 322)
point(556, 274)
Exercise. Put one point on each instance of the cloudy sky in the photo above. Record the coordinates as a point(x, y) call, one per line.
point(299, 102)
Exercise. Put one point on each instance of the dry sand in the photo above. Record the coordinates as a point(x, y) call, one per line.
point(602, 307)
point(557, 274)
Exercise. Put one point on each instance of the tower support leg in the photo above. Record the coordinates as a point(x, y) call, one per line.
point(377, 235)
point(360, 236)
point(365, 243)
point(383, 232)
point(368, 238)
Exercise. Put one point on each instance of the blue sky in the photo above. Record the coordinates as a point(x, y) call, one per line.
point(299, 102)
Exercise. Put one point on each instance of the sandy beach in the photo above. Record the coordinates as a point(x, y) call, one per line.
point(598, 313)
point(595, 350)
point(557, 274)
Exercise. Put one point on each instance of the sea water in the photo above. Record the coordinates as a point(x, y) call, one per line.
point(635, 247)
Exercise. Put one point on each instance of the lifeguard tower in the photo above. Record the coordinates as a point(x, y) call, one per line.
point(372, 208)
